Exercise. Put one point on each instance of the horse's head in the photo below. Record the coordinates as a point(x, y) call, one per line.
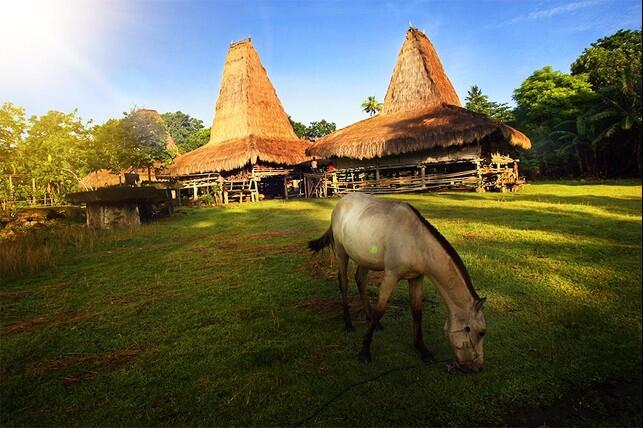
point(466, 335)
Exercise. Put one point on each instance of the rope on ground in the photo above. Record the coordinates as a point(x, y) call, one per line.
point(337, 396)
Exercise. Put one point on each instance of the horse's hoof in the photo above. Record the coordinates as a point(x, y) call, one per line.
point(349, 328)
point(426, 357)
point(364, 357)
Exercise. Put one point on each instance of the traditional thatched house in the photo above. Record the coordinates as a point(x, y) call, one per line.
point(105, 178)
point(252, 145)
point(422, 138)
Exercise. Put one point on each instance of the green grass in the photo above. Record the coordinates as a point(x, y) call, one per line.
point(221, 317)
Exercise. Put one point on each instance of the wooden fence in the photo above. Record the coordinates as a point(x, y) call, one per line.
point(479, 178)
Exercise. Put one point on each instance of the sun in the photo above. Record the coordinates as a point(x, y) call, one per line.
point(39, 36)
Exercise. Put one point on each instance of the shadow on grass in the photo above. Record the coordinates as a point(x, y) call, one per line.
point(215, 298)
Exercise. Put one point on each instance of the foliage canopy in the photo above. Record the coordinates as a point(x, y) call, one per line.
point(605, 60)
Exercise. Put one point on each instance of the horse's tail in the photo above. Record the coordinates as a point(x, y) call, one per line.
point(324, 241)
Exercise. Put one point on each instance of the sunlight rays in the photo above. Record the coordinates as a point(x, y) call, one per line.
point(48, 43)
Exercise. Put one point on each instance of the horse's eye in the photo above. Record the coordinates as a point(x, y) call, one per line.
point(482, 334)
point(467, 329)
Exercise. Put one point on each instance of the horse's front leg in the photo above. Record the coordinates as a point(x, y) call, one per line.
point(415, 296)
point(361, 278)
point(386, 288)
point(342, 263)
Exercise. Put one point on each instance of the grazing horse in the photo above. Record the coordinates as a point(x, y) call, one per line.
point(393, 237)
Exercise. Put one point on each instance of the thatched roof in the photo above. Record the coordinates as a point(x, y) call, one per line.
point(421, 111)
point(98, 179)
point(250, 123)
point(153, 114)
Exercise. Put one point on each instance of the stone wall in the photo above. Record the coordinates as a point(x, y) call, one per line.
point(105, 216)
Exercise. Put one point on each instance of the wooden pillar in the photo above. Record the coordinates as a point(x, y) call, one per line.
point(423, 169)
point(325, 185)
point(195, 192)
point(305, 187)
point(286, 186)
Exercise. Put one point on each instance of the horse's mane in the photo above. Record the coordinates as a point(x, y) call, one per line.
point(449, 249)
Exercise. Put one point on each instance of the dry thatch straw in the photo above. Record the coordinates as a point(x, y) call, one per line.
point(421, 111)
point(170, 146)
point(250, 124)
point(106, 178)
point(100, 178)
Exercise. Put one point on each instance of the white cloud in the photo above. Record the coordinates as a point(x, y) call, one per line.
point(558, 10)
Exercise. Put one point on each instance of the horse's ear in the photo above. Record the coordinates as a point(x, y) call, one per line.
point(480, 303)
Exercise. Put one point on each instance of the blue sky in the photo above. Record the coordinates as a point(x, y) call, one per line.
point(323, 57)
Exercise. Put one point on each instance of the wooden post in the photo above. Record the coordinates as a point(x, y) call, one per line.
point(305, 187)
point(286, 186)
point(423, 176)
point(325, 185)
point(195, 192)
point(33, 191)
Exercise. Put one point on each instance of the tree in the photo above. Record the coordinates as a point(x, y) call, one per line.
point(549, 101)
point(605, 60)
point(144, 142)
point(12, 128)
point(548, 97)
point(319, 129)
point(298, 127)
point(181, 127)
point(314, 130)
point(53, 154)
point(480, 103)
point(371, 106)
point(107, 145)
point(135, 141)
point(580, 142)
point(196, 140)
point(619, 117)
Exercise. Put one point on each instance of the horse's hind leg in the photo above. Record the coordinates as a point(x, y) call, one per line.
point(386, 288)
point(361, 276)
point(342, 263)
point(415, 296)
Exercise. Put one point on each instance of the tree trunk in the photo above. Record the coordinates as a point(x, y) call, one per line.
point(637, 147)
point(579, 157)
point(33, 191)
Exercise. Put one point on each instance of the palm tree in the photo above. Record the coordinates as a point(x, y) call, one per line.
point(578, 141)
point(621, 111)
point(371, 106)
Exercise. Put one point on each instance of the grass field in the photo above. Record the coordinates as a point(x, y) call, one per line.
point(221, 317)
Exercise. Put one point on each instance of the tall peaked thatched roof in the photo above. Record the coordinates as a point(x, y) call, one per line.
point(419, 80)
point(250, 123)
point(421, 111)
